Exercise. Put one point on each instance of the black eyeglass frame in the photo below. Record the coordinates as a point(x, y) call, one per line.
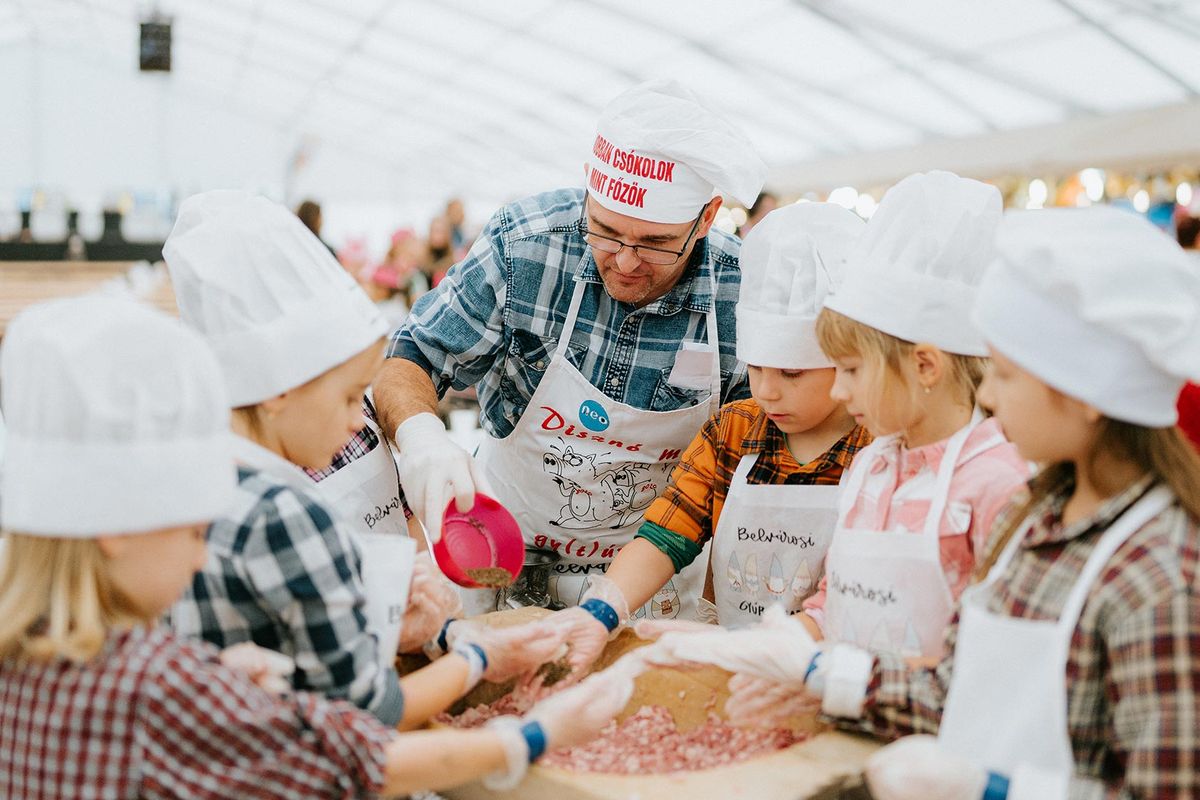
point(588, 235)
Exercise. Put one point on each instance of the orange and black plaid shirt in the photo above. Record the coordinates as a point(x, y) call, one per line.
point(692, 502)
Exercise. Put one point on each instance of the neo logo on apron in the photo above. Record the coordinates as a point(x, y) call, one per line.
point(580, 469)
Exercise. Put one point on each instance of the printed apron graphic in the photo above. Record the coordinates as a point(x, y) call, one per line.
point(887, 591)
point(770, 544)
point(580, 469)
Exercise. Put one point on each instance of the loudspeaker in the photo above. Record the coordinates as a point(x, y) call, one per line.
point(154, 52)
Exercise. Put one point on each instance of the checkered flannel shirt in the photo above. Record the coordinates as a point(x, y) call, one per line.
point(495, 320)
point(283, 574)
point(1133, 711)
point(154, 717)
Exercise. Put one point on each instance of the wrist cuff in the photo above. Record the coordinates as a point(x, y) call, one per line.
point(603, 612)
point(437, 646)
point(847, 671)
point(997, 787)
point(476, 663)
point(516, 754)
point(1035, 783)
point(535, 738)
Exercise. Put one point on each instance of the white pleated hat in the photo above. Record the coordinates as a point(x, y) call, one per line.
point(1099, 304)
point(118, 421)
point(915, 271)
point(276, 307)
point(789, 262)
point(660, 153)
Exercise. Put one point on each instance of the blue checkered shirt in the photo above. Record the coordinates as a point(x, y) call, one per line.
point(282, 573)
point(494, 321)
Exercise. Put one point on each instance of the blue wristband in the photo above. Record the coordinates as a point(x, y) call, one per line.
point(603, 612)
point(997, 787)
point(812, 666)
point(441, 637)
point(535, 737)
point(482, 655)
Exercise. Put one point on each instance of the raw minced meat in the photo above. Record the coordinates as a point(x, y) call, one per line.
point(647, 742)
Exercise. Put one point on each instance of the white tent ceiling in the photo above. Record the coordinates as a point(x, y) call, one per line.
point(384, 100)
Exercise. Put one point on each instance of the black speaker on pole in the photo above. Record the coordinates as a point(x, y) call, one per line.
point(154, 51)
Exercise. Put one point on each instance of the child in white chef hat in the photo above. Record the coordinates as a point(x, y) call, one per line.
point(759, 481)
point(1072, 665)
point(299, 344)
point(1075, 665)
point(118, 455)
point(908, 363)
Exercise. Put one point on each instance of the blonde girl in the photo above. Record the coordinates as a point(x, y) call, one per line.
point(915, 506)
point(118, 456)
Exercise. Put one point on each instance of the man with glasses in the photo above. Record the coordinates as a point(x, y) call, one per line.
point(598, 328)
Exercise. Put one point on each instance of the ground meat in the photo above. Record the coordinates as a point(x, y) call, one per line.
point(648, 742)
point(491, 577)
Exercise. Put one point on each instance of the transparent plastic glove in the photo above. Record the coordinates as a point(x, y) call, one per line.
point(578, 714)
point(432, 470)
point(584, 632)
point(652, 629)
point(778, 648)
point(511, 652)
point(918, 768)
point(268, 669)
point(431, 601)
point(760, 702)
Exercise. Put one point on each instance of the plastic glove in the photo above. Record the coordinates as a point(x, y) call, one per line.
point(918, 768)
point(589, 626)
point(511, 652)
point(268, 669)
point(578, 714)
point(651, 629)
point(759, 702)
point(432, 600)
point(432, 470)
point(778, 648)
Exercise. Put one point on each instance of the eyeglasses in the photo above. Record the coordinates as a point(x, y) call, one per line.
point(651, 255)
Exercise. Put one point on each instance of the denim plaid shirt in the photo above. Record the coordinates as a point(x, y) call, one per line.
point(495, 320)
point(282, 573)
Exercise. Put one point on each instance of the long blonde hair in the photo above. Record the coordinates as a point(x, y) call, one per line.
point(1162, 453)
point(56, 598)
point(843, 337)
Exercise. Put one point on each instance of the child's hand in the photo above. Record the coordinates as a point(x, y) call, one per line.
point(512, 652)
point(265, 667)
point(431, 601)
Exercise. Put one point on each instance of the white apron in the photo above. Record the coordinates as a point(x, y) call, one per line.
point(769, 546)
point(386, 558)
point(1007, 703)
point(885, 590)
point(579, 470)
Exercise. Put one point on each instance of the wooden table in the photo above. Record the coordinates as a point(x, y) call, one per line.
point(23, 283)
point(792, 774)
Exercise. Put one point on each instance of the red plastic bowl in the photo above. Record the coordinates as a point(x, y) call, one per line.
point(485, 536)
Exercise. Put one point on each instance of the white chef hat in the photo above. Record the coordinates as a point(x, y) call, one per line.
point(1099, 304)
point(915, 271)
point(659, 154)
point(275, 306)
point(789, 262)
point(118, 421)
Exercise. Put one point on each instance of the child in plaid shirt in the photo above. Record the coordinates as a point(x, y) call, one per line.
point(117, 456)
point(758, 483)
point(284, 570)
